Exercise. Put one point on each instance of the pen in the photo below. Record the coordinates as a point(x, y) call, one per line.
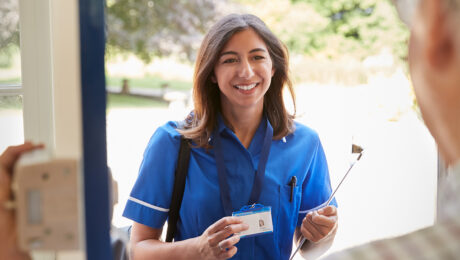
point(292, 183)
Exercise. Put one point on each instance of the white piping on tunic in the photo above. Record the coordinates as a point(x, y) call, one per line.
point(148, 205)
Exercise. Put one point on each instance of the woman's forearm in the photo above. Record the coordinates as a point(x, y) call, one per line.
point(156, 249)
point(9, 248)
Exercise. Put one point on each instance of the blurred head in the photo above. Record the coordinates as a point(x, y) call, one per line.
point(206, 93)
point(434, 61)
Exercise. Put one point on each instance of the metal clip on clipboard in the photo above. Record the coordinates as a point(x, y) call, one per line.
point(355, 149)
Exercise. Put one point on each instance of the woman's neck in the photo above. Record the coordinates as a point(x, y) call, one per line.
point(244, 122)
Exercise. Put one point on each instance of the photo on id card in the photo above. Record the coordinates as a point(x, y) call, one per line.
point(258, 218)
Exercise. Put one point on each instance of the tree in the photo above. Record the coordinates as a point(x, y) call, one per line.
point(156, 28)
point(9, 23)
point(9, 30)
point(358, 27)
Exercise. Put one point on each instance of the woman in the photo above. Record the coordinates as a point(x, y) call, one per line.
point(239, 120)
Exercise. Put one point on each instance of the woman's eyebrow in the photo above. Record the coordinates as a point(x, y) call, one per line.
point(228, 53)
point(257, 49)
point(235, 53)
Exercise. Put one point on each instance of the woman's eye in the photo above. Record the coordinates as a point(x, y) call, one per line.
point(230, 60)
point(259, 57)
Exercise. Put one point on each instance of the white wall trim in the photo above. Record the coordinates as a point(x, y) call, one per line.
point(10, 90)
point(35, 31)
point(51, 85)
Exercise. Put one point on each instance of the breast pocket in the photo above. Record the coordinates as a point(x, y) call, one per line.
point(288, 214)
point(284, 216)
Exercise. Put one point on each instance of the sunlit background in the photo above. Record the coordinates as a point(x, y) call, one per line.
point(349, 67)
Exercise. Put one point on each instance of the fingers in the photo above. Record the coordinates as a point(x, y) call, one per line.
point(330, 210)
point(310, 230)
point(222, 223)
point(221, 239)
point(230, 252)
point(229, 242)
point(323, 221)
point(326, 217)
point(307, 234)
point(226, 232)
point(227, 247)
point(12, 153)
point(315, 227)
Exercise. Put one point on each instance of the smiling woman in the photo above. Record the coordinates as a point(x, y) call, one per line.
point(246, 148)
point(265, 51)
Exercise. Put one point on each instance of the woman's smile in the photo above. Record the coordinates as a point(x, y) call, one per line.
point(246, 87)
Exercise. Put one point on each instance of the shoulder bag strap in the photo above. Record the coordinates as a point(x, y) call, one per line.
point(179, 186)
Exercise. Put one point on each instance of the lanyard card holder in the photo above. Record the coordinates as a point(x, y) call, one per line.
point(258, 217)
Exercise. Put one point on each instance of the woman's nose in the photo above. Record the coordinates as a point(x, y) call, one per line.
point(245, 69)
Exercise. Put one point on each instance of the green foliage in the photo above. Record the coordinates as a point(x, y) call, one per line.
point(10, 102)
point(9, 23)
point(6, 59)
point(151, 28)
point(7, 54)
point(349, 27)
point(330, 29)
point(9, 31)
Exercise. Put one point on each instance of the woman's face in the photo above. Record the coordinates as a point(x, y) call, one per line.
point(243, 71)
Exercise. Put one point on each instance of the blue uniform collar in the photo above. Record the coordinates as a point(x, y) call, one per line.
point(221, 127)
point(221, 124)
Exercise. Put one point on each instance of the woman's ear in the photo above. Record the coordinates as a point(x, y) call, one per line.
point(438, 38)
point(213, 78)
point(273, 71)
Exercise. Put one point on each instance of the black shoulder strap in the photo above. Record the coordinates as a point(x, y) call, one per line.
point(179, 186)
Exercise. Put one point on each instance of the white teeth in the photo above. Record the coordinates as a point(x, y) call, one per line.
point(246, 87)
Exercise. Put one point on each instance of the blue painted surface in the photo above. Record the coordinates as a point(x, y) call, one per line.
point(92, 44)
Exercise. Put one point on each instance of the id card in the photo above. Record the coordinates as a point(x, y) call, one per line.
point(259, 219)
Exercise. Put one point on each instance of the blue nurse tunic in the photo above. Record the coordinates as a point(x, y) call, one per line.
point(299, 154)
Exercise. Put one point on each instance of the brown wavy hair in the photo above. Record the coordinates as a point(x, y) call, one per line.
point(201, 122)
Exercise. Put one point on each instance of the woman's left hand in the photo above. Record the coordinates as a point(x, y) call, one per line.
point(319, 224)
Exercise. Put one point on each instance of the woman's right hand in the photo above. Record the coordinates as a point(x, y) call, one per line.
point(217, 241)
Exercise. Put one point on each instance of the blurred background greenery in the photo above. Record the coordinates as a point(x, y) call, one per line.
point(153, 42)
point(331, 41)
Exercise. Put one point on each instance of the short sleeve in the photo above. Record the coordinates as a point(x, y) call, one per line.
point(316, 187)
point(150, 197)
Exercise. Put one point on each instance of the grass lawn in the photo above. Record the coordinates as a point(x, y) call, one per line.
point(124, 101)
point(11, 81)
point(150, 82)
point(11, 102)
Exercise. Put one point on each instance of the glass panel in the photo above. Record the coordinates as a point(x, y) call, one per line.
point(11, 121)
point(10, 59)
point(349, 66)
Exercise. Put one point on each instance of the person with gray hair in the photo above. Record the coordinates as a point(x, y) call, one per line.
point(434, 61)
